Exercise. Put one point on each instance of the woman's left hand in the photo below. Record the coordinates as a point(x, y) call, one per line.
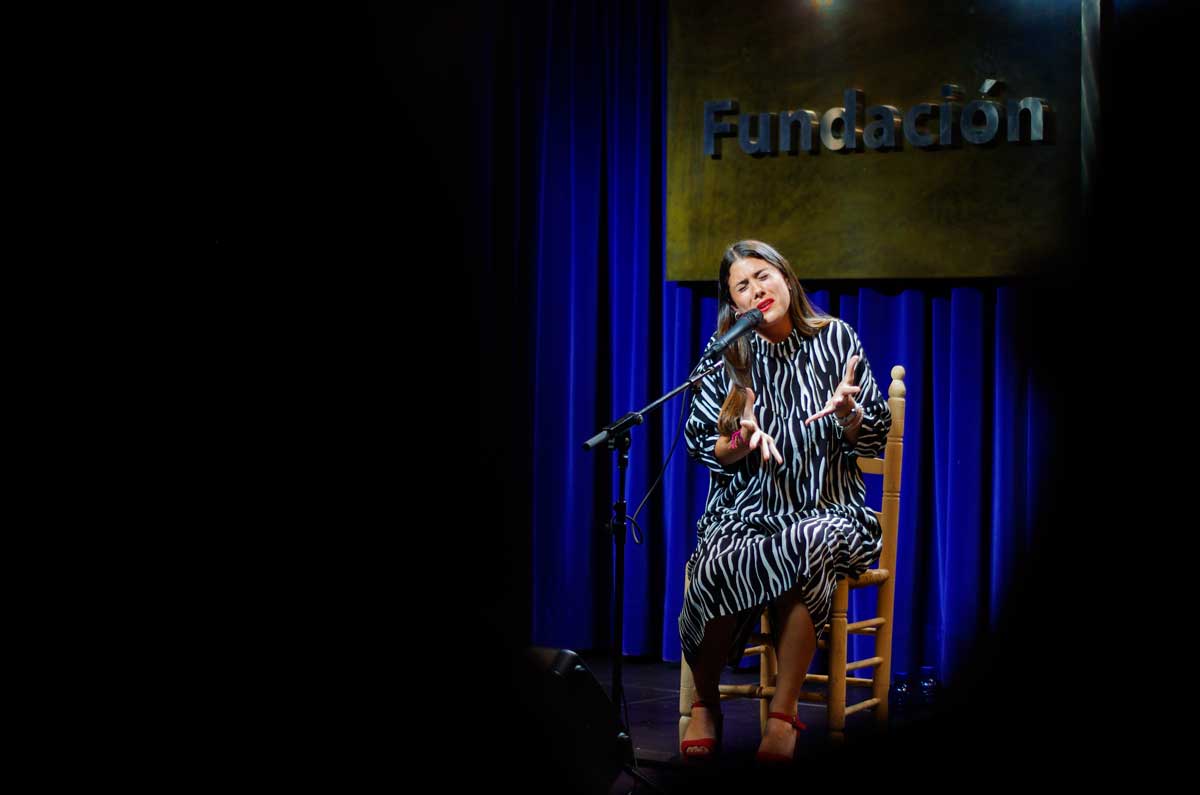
point(842, 396)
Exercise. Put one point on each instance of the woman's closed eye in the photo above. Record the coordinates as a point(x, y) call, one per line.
point(762, 277)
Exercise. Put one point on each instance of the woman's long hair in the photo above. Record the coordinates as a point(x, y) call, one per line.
point(804, 317)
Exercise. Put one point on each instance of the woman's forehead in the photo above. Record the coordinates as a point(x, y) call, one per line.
point(746, 266)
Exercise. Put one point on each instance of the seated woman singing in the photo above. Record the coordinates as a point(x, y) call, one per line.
point(779, 429)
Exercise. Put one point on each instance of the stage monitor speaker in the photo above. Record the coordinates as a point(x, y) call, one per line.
point(572, 722)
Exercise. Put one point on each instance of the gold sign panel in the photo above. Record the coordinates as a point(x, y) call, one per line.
point(965, 157)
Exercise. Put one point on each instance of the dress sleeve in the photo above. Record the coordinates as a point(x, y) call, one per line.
point(877, 415)
point(701, 429)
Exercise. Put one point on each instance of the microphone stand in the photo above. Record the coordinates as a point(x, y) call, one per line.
point(616, 437)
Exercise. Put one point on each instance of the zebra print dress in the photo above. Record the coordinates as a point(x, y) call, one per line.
point(768, 526)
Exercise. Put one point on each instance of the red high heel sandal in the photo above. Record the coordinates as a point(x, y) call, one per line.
point(770, 758)
point(713, 744)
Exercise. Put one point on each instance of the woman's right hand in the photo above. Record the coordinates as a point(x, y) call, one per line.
point(759, 439)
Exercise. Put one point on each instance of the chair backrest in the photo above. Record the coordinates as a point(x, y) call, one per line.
point(889, 467)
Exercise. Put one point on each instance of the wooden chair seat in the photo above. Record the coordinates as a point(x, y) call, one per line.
point(869, 577)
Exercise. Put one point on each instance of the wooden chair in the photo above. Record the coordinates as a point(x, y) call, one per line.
point(837, 631)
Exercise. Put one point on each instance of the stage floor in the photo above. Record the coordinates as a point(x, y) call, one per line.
point(652, 695)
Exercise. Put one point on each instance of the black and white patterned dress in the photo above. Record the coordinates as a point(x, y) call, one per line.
point(768, 526)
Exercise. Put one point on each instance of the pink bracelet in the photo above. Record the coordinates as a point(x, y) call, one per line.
point(736, 439)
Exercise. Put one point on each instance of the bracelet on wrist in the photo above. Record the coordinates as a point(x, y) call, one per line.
point(849, 418)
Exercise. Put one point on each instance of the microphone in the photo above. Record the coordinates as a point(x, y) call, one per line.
point(743, 325)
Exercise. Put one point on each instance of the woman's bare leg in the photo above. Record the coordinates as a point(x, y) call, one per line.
point(795, 645)
point(714, 649)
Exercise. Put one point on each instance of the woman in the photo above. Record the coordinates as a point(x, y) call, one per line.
point(785, 518)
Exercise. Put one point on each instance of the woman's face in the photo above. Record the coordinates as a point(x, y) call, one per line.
point(757, 283)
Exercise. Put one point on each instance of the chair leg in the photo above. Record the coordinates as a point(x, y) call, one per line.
point(837, 663)
point(883, 650)
point(687, 696)
point(768, 671)
point(687, 687)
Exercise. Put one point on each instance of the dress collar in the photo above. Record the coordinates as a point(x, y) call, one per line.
point(785, 348)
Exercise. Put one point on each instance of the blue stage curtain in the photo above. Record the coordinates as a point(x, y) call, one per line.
point(610, 334)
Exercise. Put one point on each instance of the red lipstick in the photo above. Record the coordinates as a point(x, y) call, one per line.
point(766, 302)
